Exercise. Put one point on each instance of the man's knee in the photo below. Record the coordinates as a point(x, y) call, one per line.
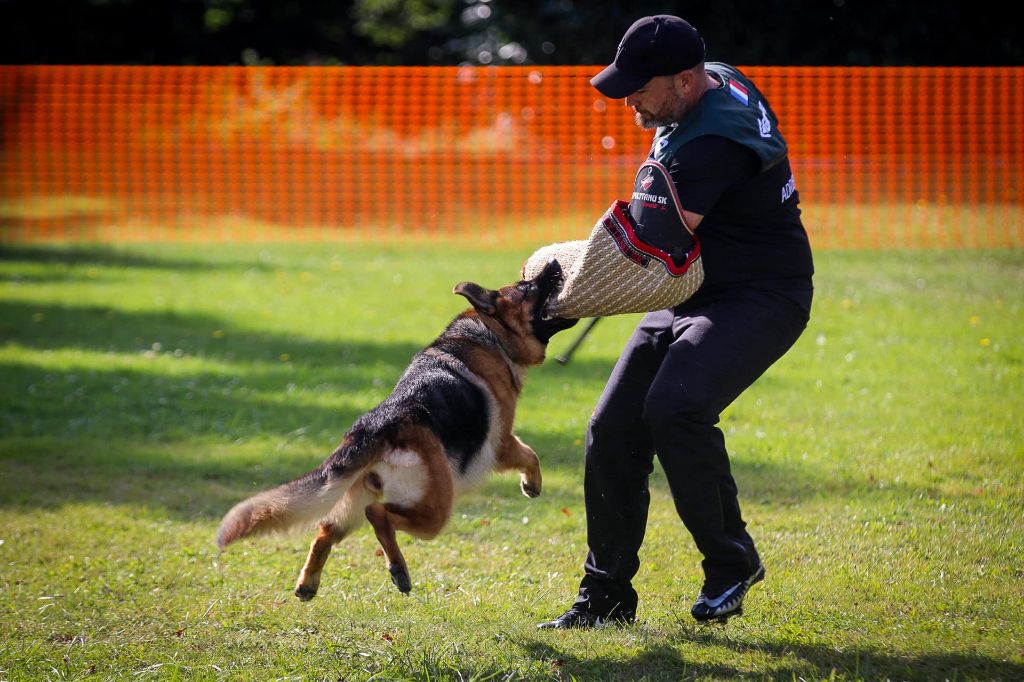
point(615, 446)
point(605, 434)
point(675, 403)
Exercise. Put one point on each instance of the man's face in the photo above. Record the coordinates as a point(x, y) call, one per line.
point(660, 102)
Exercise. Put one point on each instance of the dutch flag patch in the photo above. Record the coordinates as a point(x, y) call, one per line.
point(739, 92)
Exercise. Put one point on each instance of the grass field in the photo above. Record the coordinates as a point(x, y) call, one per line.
point(145, 390)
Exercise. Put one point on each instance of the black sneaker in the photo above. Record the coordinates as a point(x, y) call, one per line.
point(722, 602)
point(578, 618)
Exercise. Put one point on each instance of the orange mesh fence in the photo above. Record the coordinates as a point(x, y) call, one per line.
point(884, 157)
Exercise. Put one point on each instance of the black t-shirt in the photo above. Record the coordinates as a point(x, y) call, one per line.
point(751, 234)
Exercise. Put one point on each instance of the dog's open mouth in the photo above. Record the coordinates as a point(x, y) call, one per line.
point(547, 283)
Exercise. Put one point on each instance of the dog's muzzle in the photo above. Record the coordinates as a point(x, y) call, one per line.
point(547, 282)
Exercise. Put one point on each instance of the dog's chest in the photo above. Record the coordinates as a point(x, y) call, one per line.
point(474, 470)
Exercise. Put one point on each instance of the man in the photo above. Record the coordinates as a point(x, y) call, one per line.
point(718, 166)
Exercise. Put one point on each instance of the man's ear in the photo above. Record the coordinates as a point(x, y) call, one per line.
point(482, 299)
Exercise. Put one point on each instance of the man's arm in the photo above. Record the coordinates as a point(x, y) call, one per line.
point(691, 219)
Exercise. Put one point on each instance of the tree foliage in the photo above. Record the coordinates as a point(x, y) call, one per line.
point(818, 32)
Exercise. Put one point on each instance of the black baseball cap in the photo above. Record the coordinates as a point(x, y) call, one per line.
point(653, 46)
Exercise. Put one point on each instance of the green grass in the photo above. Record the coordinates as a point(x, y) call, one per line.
point(145, 390)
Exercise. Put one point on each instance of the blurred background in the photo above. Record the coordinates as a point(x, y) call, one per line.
point(474, 119)
point(451, 32)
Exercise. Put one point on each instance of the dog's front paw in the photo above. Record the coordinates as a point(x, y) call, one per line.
point(400, 577)
point(530, 488)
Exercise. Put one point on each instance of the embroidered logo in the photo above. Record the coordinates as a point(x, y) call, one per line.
point(647, 181)
point(763, 124)
point(739, 92)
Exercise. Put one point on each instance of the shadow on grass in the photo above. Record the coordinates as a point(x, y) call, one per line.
point(163, 376)
point(43, 326)
point(794, 661)
point(125, 426)
point(133, 422)
point(101, 256)
point(180, 483)
point(133, 425)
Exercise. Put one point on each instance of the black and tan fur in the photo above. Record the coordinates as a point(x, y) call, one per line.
point(446, 425)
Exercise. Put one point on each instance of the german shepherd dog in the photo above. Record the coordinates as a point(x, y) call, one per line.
point(447, 423)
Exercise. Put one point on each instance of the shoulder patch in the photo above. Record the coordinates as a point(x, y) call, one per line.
point(739, 92)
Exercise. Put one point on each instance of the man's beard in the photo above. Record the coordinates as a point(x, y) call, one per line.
point(648, 121)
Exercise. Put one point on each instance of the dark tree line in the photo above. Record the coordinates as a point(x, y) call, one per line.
point(781, 32)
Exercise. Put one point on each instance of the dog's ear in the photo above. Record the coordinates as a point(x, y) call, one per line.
point(482, 299)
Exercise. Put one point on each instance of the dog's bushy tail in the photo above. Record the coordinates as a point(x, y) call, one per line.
point(304, 501)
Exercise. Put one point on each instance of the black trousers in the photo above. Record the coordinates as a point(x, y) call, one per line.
point(680, 369)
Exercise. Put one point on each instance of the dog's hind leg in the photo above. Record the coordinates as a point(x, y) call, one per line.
point(380, 519)
point(344, 518)
point(309, 578)
point(517, 455)
point(422, 521)
point(422, 499)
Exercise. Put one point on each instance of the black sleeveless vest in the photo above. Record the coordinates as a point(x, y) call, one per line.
point(736, 111)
